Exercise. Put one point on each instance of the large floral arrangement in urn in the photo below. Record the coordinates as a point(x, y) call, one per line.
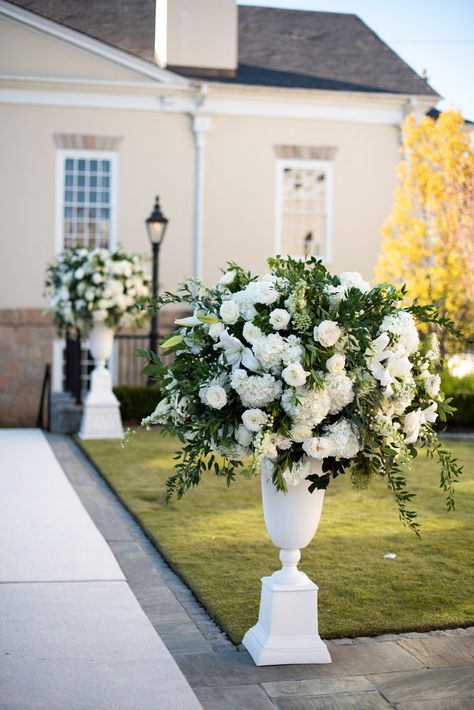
point(303, 376)
point(86, 287)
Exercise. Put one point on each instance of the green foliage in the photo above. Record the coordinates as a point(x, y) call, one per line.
point(136, 402)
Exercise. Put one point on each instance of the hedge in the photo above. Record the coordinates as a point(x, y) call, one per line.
point(136, 402)
point(461, 392)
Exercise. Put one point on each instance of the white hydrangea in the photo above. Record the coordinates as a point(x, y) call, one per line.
point(256, 390)
point(268, 350)
point(311, 408)
point(243, 436)
point(279, 319)
point(402, 327)
point(245, 303)
point(292, 352)
point(340, 390)
point(267, 468)
point(298, 472)
point(344, 438)
point(254, 419)
point(336, 294)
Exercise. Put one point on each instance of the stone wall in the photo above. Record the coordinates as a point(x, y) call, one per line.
point(26, 337)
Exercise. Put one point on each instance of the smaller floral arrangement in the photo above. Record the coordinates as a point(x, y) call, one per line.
point(98, 286)
point(299, 366)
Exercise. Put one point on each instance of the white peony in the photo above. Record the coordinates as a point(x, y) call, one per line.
point(294, 374)
point(336, 363)
point(352, 279)
point(229, 312)
point(327, 333)
point(243, 436)
point(251, 332)
point(254, 419)
point(318, 447)
point(279, 319)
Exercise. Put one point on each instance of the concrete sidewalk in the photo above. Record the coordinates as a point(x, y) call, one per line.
point(73, 636)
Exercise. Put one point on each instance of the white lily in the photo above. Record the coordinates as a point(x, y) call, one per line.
point(189, 321)
point(236, 353)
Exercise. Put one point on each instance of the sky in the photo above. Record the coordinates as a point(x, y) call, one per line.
point(432, 35)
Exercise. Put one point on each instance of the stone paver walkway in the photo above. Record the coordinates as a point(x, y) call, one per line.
point(433, 671)
point(72, 634)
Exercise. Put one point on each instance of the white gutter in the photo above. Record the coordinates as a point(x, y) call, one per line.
point(201, 127)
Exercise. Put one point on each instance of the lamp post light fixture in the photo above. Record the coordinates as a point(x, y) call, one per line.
point(156, 225)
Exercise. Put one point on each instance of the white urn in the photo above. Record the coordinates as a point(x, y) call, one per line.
point(287, 627)
point(101, 417)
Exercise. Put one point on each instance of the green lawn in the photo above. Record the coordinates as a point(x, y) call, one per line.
point(216, 540)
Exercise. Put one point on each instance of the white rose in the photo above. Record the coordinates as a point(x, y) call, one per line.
point(327, 333)
point(269, 448)
point(97, 278)
point(229, 312)
point(216, 397)
point(318, 447)
point(336, 363)
point(264, 292)
point(79, 274)
point(215, 329)
point(300, 432)
point(279, 319)
point(89, 294)
point(251, 332)
point(243, 435)
point(227, 278)
point(294, 374)
point(254, 419)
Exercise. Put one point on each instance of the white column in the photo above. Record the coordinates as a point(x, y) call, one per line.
point(201, 127)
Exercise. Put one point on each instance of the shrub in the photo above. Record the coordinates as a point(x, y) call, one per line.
point(461, 392)
point(136, 402)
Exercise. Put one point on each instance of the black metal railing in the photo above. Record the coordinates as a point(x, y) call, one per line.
point(43, 418)
point(73, 366)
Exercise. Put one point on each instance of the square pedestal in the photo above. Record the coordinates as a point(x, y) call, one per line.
point(287, 627)
point(101, 418)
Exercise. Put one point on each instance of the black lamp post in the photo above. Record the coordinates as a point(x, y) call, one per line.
point(156, 225)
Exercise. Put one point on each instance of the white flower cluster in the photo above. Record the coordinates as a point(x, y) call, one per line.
point(96, 286)
point(284, 373)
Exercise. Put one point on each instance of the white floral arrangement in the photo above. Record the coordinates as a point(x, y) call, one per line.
point(296, 366)
point(85, 287)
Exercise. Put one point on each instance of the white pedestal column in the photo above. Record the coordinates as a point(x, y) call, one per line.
point(287, 627)
point(101, 417)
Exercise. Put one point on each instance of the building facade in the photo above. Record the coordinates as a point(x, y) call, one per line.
point(250, 152)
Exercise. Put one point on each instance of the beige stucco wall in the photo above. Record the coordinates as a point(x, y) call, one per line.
point(240, 208)
point(156, 156)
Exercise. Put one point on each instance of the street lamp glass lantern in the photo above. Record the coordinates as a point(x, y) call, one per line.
point(156, 224)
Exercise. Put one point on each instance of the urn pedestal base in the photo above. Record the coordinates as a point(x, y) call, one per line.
point(287, 627)
point(101, 417)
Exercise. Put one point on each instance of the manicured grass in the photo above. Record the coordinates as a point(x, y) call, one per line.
point(216, 540)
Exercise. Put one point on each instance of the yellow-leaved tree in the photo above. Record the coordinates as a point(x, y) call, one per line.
point(428, 240)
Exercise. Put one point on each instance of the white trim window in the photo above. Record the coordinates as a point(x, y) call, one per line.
point(86, 204)
point(303, 204)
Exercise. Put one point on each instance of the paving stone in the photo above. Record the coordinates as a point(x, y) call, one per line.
point(451, 704)
point(237, 697)
point(239, 669)
point(439, 684)
point(441, 652)
point(371, 700)
point(340, 642)
point(324, 686)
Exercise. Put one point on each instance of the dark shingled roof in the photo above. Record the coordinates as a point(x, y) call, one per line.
point(277, 47)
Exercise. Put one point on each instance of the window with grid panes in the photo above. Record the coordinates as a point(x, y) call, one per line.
point(87, 200)
point(303, 206)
